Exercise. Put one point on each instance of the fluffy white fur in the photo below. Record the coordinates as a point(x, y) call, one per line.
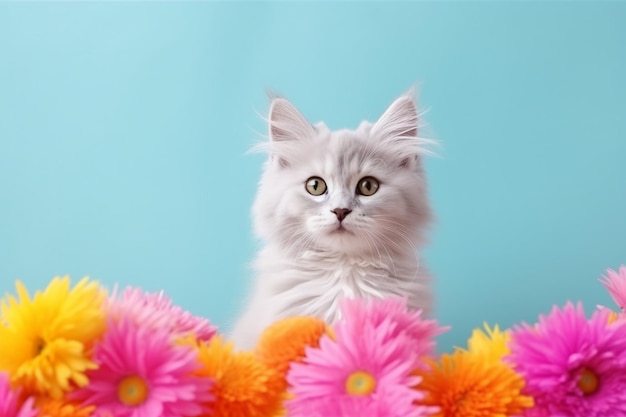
point(311, 259)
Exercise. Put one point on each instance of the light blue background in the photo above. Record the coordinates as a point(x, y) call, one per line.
point(124, 129)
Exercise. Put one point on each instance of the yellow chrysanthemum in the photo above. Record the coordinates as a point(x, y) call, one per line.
point(46, 341)
point(49, 407)
point(244, 386)
point(285, 341)
point(476, 382)
point(491, 344)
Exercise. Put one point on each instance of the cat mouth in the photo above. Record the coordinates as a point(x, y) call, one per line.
point(341, 229)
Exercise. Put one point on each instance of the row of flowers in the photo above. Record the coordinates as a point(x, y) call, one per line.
point(79, 351)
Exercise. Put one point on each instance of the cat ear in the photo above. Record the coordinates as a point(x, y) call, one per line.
point(399, 120)
point(287, 123)
point(397, 128)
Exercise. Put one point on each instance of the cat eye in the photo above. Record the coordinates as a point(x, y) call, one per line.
point(315, 186)
point(367, 186)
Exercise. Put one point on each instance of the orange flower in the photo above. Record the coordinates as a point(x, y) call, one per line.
point(49, 407)
point(286, 340)
point(475, 382)
point(244, 386)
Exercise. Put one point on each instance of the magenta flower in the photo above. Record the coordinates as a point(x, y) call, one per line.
point(12, 403)
point(615, 284)
point(155, 310)
point(368, 370)
point(385, 405)
point(420, 332)
point(572, 366)
point(141, 373)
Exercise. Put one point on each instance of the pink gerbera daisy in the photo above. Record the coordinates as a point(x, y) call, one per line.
point(156, 310)
point(572, 365)
point(420, 332)
point(388, 403)
point(615, 284)
point(12, 403)
point(141, 373)
point(367, 370)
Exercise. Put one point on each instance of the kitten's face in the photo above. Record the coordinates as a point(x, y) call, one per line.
point(355, 192)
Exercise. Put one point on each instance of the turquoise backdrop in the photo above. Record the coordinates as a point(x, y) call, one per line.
point(124, 129)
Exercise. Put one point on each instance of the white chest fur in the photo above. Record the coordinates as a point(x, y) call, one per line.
point(315, 283)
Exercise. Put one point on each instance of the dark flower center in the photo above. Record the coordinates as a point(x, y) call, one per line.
point(40, 345)
point(588, 381)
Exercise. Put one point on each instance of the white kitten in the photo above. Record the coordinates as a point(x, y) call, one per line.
point(341, 214)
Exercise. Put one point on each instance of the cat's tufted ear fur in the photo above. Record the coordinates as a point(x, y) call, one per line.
point(399, 120)
point(397, 128)
point(287, 123)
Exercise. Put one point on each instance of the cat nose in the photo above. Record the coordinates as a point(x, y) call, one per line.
point(341, 213)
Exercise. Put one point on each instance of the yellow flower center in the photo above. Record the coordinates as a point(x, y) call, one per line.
point(360, 383)
point(132, 390)
point(588, 381)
